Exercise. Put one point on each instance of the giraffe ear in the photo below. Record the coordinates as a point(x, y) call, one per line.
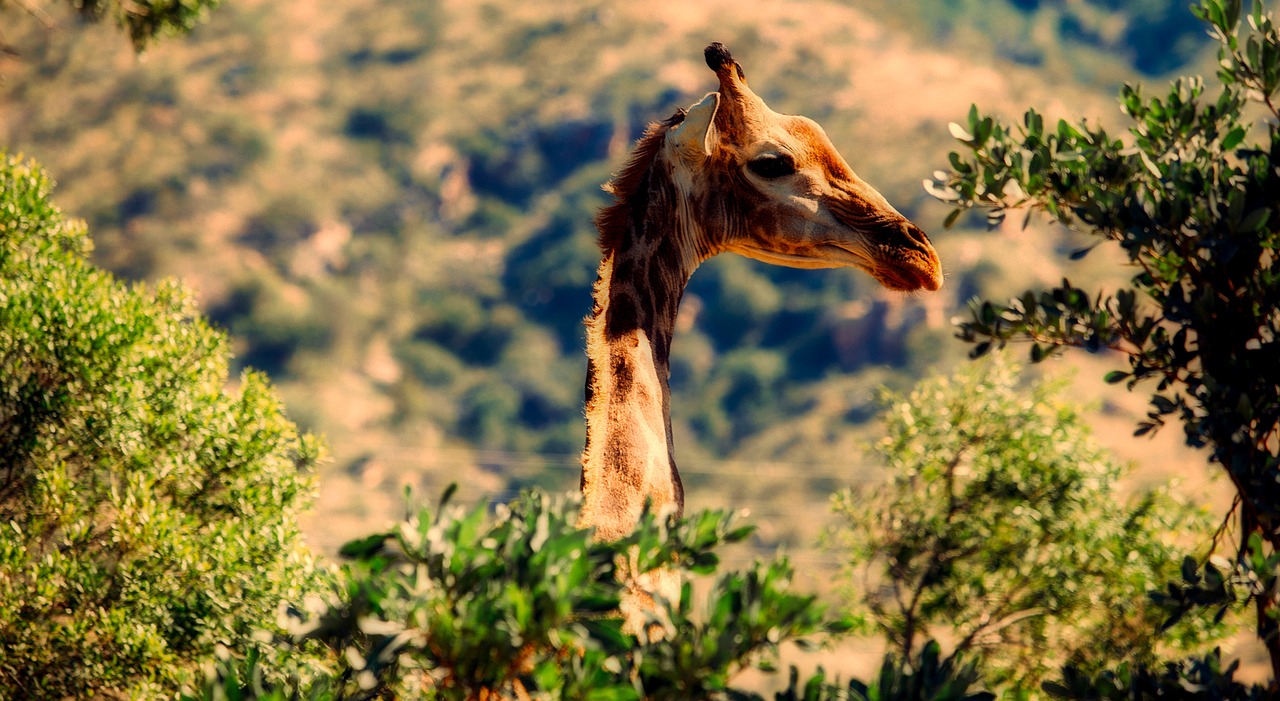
point(692, 137)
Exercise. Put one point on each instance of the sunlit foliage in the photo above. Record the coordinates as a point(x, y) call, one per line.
point(1001, 525)
point(148, 511)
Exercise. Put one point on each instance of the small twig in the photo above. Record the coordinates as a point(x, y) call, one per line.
point(1003, 623)
point(1222, 529)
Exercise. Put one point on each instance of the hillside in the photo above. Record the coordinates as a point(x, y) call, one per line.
point(389, 205)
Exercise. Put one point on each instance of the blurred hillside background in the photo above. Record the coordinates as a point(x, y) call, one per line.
point(388, 204)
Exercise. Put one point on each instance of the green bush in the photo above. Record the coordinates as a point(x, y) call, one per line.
point(463, 604)
point(1001, 527)
point(148, 512)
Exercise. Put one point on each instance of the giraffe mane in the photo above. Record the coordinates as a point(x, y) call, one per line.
point(611, 222)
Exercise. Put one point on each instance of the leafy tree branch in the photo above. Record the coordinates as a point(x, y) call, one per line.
point(1190, 192)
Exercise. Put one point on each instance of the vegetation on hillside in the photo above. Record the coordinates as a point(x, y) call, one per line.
point(389, 208)
point(1096, 40)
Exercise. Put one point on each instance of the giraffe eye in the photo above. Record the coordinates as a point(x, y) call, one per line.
point(772, 165)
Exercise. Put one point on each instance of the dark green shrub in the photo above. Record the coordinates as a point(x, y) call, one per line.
point(1194, 202)
point(1192, 679)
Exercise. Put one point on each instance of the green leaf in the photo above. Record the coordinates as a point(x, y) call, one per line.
point(364, 548)
point(1057, 690)
point(1256, 220)
point(1190, 570)
point(447, 496)
point(1172, 620)
point(1082, 252)
point(1149, 164)
point(1233, 138)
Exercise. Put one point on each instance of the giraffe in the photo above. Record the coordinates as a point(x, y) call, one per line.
point(727, 175)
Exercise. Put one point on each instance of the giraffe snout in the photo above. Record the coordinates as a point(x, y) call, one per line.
point(924, 262)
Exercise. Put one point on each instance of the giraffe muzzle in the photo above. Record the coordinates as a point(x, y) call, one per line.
point(905, 260)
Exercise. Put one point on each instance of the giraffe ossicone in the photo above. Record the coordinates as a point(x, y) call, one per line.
point(727, 175)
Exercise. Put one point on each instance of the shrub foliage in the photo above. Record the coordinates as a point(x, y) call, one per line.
point(459, 603)
point(1000, 526)
point(147, 511)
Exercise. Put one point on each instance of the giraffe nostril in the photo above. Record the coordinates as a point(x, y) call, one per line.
point(916, 236)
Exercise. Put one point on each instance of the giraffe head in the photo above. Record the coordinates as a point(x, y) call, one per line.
point(772, 187)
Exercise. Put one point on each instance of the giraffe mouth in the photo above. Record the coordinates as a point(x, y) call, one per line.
point(907, 270)
point(907, 278)
point(826, 256)
point(902, 270)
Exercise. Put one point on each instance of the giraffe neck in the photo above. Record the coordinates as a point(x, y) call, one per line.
point(629, 458)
